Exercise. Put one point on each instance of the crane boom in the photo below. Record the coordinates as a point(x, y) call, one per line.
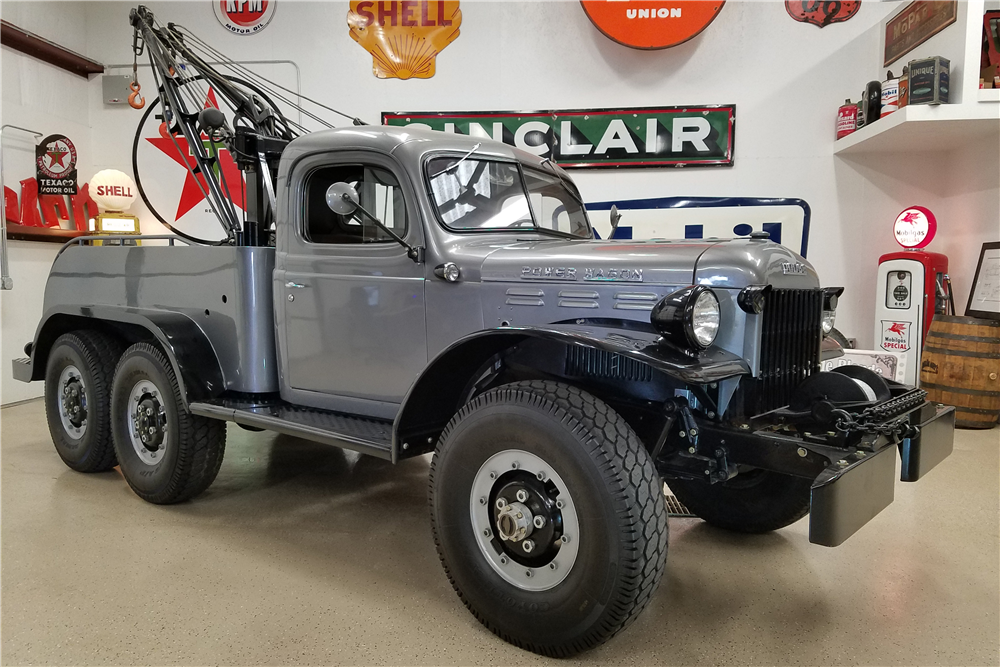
point(256, 138)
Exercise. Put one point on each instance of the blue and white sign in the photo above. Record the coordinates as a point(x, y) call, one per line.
point(786, 220)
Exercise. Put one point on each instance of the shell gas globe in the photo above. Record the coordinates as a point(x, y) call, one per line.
point(112, 190)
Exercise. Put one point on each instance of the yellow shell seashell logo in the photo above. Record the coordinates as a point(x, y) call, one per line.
point(404, 36)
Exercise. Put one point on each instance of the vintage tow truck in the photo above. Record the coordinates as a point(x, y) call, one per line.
point(402, 292)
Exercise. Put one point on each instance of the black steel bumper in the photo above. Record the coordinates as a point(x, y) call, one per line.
point(852, 490)
point(22, 369)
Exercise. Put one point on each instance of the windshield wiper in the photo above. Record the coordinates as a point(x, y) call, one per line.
point(455, 166)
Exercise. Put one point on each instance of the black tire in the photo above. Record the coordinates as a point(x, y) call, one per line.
point(610, 479)
point(86, 447)
point(191, 448)
point(757, 501)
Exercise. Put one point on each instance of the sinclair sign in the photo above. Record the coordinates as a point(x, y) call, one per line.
point(689, 136)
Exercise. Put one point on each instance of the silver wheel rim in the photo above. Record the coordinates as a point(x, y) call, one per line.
point(497, 550)
point(73, 402)
point(147, 422)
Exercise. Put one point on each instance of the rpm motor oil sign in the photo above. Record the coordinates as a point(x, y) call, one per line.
point(647, 137)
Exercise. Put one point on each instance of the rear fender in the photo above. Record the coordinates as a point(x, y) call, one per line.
point(187, 347)
point(445, 384)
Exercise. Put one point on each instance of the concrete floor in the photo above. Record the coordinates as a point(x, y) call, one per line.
point(304, 554)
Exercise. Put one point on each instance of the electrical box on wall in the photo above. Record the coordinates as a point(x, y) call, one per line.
point(115, 88)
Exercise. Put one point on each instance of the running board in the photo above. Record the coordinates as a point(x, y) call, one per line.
point(361, 434)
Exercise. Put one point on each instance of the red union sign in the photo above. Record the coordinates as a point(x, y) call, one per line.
point(651, 24)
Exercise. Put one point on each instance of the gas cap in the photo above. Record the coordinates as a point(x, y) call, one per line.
point(763, 236)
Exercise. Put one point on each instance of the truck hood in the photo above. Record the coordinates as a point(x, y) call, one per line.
point(720, 263)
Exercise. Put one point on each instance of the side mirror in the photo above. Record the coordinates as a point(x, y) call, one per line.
point(615, 219)
point(342, 198)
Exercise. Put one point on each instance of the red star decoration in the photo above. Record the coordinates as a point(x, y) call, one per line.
point(57, 156)
point(191, 194)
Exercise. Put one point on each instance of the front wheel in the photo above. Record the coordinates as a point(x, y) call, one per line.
point(548, 516)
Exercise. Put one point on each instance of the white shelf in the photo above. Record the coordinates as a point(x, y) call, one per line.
point(989, 94)
point(925, 128)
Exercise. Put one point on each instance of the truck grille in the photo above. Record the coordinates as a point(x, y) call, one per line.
point(588, 362)
point(790, 343)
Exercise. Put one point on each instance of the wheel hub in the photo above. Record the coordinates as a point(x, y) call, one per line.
point(73, 401)
point(525, 520)
point(148, 422)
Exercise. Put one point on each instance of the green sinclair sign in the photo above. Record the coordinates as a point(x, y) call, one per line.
point(648, 137)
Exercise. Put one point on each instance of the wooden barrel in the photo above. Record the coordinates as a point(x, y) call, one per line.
point(960, 366)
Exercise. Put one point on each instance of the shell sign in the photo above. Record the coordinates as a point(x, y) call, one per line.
point(651, 24)
point(404, 36)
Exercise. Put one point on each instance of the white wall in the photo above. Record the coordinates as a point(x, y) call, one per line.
point(40, 97)
point(787, 80)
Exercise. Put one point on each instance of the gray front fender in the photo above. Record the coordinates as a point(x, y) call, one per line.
point(437, 394)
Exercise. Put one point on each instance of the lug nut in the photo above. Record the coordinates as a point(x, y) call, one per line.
point(527, 573)
point(552, 565)
point(539, 521)
point(528, 546)
point(541, 475)
point(501, 503)
point(691, 450)
point(482, 501)
point(503, 560)
point(515, 465)
point(493, 475)
point(522, 495)
point(486, 533)
point(560, 504)
point(565, 539)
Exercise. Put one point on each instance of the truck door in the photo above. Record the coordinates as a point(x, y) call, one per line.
point(349, 302)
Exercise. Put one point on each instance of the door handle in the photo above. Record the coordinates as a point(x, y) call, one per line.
point(292, 285)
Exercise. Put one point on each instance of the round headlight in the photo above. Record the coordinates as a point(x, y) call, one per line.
point(689, 318)
point(705, 319)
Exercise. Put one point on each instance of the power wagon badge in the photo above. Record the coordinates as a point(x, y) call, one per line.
point(821, 13)
point(55, 162)
point(244, 17)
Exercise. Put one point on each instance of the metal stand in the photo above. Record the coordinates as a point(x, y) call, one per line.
point(6, 283)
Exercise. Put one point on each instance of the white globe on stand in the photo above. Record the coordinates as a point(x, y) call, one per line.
point(112, 190)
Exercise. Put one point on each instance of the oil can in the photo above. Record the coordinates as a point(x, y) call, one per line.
point(847, 119)
point(890, 95)
point(929, 80)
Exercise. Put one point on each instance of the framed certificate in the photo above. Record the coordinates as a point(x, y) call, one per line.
point(984, 297)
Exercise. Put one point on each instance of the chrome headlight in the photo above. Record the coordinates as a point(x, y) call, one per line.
point(830, 297)
point(689, 317)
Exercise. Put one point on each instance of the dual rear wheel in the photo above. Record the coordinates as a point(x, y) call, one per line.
point(107, 406)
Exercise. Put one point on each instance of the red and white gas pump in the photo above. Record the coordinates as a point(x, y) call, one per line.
point(910, 289)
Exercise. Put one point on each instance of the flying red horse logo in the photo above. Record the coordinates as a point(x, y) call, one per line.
point(911, 217)
point(898, 328)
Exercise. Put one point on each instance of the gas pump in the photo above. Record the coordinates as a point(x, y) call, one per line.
point(912, 286)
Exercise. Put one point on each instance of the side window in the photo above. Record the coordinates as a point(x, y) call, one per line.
point(378, 192)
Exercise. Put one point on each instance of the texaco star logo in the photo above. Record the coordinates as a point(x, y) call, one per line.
point(171, 188)
point(58, 159)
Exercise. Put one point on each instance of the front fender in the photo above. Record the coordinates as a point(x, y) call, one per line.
point(437, 394)
point(188, 348)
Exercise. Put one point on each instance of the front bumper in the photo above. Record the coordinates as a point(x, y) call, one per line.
point(852, 490)
point(853, 470)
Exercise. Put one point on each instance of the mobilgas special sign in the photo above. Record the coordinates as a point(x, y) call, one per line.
point(689, 136)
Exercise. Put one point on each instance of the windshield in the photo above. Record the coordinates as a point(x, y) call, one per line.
point(491, 195)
